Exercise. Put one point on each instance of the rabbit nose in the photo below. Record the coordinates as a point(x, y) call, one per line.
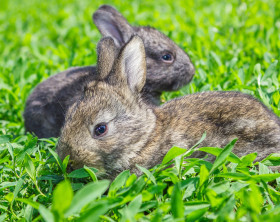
point(70, 167)
point(191, 69)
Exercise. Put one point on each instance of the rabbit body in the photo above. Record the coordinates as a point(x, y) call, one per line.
point(112, 129)
point(168, 68)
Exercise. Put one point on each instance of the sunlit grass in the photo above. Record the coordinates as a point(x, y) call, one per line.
point(234, 45)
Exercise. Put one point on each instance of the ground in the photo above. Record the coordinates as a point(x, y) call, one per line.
point(234, 45)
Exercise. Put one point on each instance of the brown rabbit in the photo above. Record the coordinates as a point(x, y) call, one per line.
point(112, 129)
point(168, 68)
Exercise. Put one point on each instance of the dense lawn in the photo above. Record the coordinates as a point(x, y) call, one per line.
point(235, 45)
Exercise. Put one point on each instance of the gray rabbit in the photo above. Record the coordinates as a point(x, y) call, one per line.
point(112, 129)
point(168, 68)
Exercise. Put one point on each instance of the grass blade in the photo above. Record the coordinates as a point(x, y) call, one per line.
point(177, 205)
point(86, 195)
point(223, 155)
point(172, 153)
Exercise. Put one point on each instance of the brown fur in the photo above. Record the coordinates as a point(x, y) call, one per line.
point(142, 134)
point(47, 105)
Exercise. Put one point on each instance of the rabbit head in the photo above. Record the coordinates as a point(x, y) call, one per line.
point(169, 67)
point(108, 126)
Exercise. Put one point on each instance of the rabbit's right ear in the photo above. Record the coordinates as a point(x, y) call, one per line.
point(106, 51)
point(111, 23)
point(131, 65)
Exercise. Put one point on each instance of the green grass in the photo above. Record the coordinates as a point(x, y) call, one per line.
point(234, 45)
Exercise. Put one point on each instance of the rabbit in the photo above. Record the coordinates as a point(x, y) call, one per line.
point(168, 68)
point(112, 129)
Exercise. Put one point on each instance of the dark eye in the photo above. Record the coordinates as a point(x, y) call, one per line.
point(100, 129)
point(167, 58)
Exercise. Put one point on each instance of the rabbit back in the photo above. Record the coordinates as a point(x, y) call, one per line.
point(47, 105)
point(224, 116)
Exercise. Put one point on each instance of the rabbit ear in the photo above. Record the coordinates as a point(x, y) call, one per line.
point(106, 51)
point(131, 65)
point(111, 23)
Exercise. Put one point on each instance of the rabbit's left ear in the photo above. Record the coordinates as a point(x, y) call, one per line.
point(111, 23)
point(131, 66)
point(106, 51)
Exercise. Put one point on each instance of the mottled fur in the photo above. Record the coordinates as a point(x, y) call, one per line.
point(46, 106)
point(142, 134)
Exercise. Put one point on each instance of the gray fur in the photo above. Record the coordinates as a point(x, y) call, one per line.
point(142, 134)
point(46, 106)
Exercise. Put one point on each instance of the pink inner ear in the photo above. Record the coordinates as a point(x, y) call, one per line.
point(109, 29)
point(135, 64)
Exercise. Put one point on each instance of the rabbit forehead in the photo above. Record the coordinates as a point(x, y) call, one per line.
point(102, 90)
point(155, 39)
point(102, 103)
